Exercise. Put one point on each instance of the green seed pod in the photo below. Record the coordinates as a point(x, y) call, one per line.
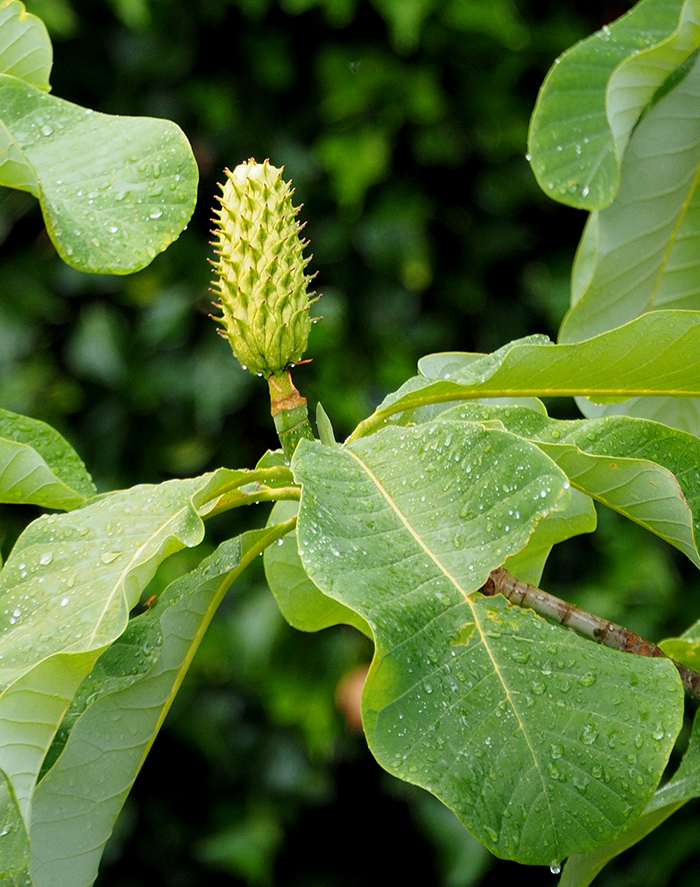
point(260, 275)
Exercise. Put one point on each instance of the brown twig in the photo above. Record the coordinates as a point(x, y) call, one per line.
point(617, 637)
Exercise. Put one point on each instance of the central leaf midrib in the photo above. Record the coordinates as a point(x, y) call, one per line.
point(482, 634)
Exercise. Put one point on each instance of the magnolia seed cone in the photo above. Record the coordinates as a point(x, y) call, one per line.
point(260, 279)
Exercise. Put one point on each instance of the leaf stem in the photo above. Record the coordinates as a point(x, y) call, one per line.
point(609, 634)
point(253, 497)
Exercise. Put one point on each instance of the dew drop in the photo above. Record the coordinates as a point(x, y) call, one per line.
point(555, 867)
point(46, 559)
point(155, 214)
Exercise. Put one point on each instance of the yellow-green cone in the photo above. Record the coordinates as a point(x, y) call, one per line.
point(260, 275)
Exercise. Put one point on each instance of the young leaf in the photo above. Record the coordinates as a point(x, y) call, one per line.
point(25, 45)
point(114, 191)
point(124, 702)
point(595, 94)
point(39, 467)
point(527, 731)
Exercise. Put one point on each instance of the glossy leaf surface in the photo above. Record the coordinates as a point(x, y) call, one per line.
point(657, 353)
point(528, 732)
point(581, 869)
point(115, 191)
point(117, 714)
point(65, 592)
point(39, 467)
point(25, 45)
point(645, 470)
point(302, 603)
point(595, 94)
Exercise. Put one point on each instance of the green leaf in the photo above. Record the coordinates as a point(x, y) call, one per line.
point(543, 743)
point(639, 253)
point(14, 840)
point(645, 470)
point(118, 714)
point(66, 592)
point(302, 603)
point(114, 191)
point(25, 45)
point(595, 94)
point(657, 353)
point(579, 517)
point(581, 869)
point(39, 467)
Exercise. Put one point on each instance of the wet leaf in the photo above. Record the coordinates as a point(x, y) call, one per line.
point(645, 470)
point(115, 191)
point(39, 467)
point(657, 353)
point(14, 840)
point(119, 710)
point(65, 594)
point(595, 94)
point(581, 869)
point(527, 731)
point(302, 603)
point(638, 254)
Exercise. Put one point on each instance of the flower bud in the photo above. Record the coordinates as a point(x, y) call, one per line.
point(260, 275)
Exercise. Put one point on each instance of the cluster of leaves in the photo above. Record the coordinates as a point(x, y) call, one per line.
point(545, 745)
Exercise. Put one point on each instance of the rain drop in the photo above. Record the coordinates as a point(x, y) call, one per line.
point(155, 214)
point(555, 867)
point(46, 559)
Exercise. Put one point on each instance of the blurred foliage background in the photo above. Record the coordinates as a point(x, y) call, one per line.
point(403, 125)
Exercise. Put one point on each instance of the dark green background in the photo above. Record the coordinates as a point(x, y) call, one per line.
point(403, 125)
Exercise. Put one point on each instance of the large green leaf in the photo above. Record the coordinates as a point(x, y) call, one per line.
point(640, 252)
point(118, 713)
point(39, 467)
point(646, 471)
point(66, 591)
point(655, 354)
point(595, 94)
point(25, 45)
point(543, 743)
point(115, 191)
